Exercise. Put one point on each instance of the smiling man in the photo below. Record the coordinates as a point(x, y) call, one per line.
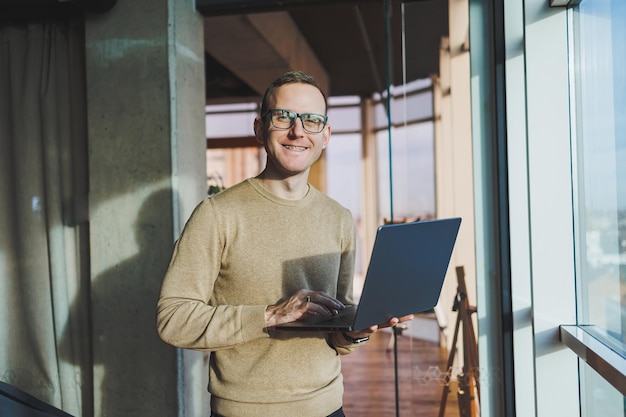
point(293, 130)
point(269, 250)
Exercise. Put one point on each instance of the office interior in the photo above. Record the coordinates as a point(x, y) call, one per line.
point(105, 131)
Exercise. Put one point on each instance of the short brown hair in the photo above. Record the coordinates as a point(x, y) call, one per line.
point(290, 77)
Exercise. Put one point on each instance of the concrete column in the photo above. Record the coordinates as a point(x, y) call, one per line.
point(145, 94)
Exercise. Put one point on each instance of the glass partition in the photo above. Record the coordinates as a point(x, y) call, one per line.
point(599, 57)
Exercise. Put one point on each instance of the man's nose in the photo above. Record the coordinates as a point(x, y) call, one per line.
point(298, 126)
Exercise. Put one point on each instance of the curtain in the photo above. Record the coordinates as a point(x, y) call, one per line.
point(44, 269)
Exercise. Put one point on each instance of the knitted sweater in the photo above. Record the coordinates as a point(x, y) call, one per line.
point(242, 250)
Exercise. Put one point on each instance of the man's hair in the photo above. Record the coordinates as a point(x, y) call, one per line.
point(290, 77)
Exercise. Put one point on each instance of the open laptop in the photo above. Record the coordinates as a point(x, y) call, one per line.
point(405, 275)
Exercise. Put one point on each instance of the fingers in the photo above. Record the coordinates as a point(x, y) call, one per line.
point(372, 329)
point(392, 322)
point(302, 304)
point(317, 302)
point(406, 318)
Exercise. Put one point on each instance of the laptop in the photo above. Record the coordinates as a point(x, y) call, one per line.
point(405, 276)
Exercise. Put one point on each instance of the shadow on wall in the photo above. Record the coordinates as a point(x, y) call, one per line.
point(134, 371)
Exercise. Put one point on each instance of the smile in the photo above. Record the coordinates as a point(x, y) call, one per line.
point(294, 148)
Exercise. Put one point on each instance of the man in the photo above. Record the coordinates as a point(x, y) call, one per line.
point(269, 250)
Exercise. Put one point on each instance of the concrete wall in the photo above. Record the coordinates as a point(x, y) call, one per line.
point(145, 93)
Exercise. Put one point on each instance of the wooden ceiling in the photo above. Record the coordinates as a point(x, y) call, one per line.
point(351, 47)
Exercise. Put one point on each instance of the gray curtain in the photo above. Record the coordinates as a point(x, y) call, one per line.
point(44, 269)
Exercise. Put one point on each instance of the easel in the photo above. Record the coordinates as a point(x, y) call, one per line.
point(469, 385)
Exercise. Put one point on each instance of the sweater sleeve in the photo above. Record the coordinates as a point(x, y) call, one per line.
point(184, 316)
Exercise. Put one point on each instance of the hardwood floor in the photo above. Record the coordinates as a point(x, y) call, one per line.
point(369, 379)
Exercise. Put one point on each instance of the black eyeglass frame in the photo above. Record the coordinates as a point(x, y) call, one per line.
point(293, 119)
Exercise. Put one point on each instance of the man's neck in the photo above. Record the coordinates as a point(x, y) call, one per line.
point(290, 188)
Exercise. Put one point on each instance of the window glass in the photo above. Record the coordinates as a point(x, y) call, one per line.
point(344, 118)
point(412, 172)
point(230, 120)
point(601, 136)
point(600, 174)
point(409, 104)
point(343, 168)
point(601, 398)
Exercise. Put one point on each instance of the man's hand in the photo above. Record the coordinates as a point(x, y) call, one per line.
point(302, 304)
point(372, 329)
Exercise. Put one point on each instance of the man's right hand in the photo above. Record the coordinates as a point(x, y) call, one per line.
point(302, 304)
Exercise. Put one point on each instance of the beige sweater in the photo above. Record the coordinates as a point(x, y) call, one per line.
point(244, 249)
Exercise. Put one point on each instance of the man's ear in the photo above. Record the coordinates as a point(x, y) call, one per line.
point(326, 137)
point(259, 130)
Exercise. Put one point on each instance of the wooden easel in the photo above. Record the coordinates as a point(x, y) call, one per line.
point(468, 379)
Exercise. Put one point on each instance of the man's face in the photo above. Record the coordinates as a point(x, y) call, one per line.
point(292, 151)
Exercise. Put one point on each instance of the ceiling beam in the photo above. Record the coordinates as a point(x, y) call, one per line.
point(221, 7)
point(259, 47)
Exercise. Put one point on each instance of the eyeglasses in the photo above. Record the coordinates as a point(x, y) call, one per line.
point(284, 119)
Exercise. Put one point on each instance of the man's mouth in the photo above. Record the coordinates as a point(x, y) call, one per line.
point(294, 148)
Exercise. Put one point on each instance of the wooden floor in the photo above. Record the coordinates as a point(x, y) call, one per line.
point(369, 379)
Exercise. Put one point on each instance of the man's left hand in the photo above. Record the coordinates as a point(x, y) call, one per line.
point(373, 329)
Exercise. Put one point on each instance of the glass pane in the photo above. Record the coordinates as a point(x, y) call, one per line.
point(344, 119)
point(343, 168)
point(410, 104)
point(230, 120)
point(412, 172)
point(601, 101)
point(601, 398)
point(343, 164)
point(600, 173)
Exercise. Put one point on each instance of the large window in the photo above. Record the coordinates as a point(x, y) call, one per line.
point(599, 62)
point(405, 148)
